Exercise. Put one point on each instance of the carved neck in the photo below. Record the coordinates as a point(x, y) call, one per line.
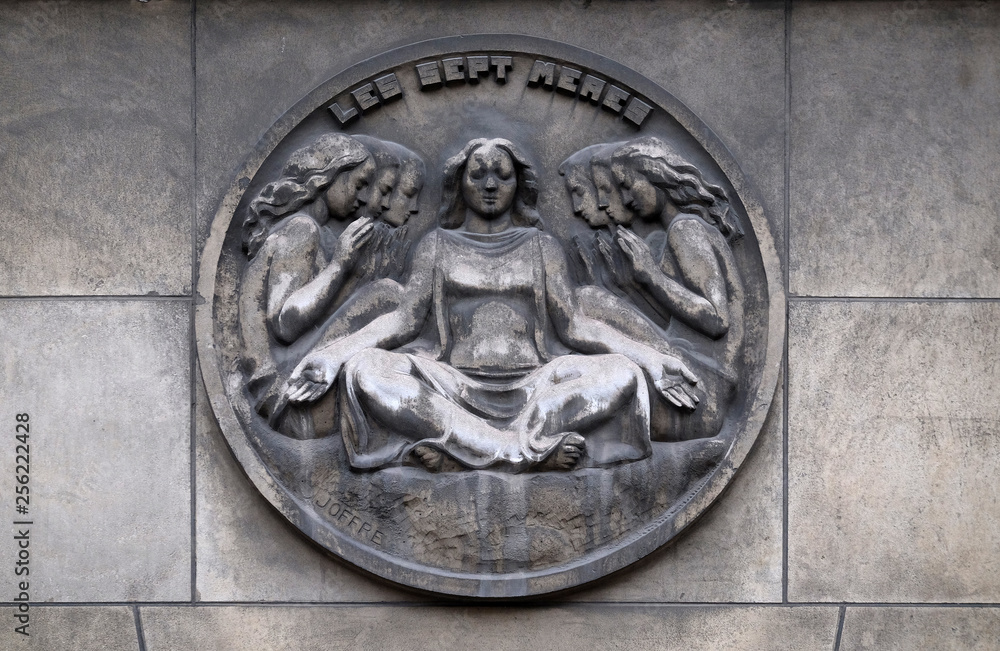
point(318, 210)
point(476, 223)
point(669, 212)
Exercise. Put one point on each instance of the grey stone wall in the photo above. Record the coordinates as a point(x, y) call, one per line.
point(867, 515)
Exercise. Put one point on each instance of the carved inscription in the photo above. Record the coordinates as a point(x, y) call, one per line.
point(585, 86)
point(347, 519)
point(470, 69)
point(367, 96)
point(458, 69)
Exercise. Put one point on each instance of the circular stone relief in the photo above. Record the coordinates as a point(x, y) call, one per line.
point(490, 316)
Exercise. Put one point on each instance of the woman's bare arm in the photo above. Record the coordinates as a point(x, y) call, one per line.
point(314, 374)
point(303, 307)
point(704, 310)
point(671, 377)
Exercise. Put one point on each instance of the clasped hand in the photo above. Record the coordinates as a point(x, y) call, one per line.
point(352, 241)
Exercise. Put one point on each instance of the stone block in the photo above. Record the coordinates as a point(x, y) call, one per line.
point(75, 628)
point(416, 628)
point(893, 149)
point(106, 387)
point(96, 163)
point(270, 55)
point(894, 451)
point(248, 551)
point(942, 629)
point(732, 554)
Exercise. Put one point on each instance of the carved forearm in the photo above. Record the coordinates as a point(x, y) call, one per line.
point(692, 309)
point(387, 331)
point(591, 336)
point(307, 304)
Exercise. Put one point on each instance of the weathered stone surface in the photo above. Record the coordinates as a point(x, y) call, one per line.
point(894, 450)
point(893, 162)
point(75, 628)
point(579, 627)
point(942, 629)
point(96, 161)
point(106, 387)
point(248, 551)
point(270, 55)
point(732, 554)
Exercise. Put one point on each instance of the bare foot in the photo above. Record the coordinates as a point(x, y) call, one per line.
point(431, 458)
point(567, 454)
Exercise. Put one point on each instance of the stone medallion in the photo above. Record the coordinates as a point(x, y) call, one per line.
point(490, 316)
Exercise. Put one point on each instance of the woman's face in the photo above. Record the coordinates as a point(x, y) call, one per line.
point(609, 199)
point(385, 181)
point(583, 196)
point(350, 190)
point(490, 182)
point(403, 202)
point(638, 194)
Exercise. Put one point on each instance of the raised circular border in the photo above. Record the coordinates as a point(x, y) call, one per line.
point(522, 584)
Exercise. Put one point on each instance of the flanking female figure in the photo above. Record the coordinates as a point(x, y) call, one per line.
point(678, 289)
point(685, 267)
point(310, 247)
point(302, 242)
point(606, 290)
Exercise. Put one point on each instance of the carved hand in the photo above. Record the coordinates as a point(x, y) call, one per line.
point(352, 240)
point(585, 250)
point(674, 381)
point(637, 252)
point(312, 378)
point(606, 247)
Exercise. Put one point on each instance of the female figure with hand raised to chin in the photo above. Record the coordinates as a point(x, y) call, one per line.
point(302, 245)
point(687, 269)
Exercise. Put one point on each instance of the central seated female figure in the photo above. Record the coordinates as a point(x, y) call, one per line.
point(488, 362)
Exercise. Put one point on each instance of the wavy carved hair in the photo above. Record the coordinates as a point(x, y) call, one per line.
point(308, 172)
point(682, 182)
point(524, 213)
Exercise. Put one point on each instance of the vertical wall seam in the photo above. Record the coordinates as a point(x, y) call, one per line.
point(193, 360)
point(787, 288)
point(840, 627)
point(140, 636)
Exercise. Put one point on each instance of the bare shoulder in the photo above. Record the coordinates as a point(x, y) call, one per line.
point(691, 233)
point(298, 227)
point(427, 244)
point(549, 245)
point(686, 226)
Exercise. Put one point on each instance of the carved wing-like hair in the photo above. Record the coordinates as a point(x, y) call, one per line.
point(409, 160)
point(383, 151)
point(682, 181)
point(452, 211)
point(308, 171)
point(582, 158)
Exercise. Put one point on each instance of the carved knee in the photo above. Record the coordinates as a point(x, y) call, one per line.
point(375, 372)
point(622, 372)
